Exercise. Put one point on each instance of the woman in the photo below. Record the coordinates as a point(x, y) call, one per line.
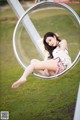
point(57, 61)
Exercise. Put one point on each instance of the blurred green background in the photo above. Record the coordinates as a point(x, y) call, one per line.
point(38, 99)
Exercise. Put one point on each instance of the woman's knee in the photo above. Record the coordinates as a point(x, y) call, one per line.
point(33, 61)
point(33, 64)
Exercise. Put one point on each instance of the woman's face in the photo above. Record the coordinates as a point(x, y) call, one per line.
point(51, 41)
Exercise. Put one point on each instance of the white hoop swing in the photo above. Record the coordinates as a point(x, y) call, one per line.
point(35, 35)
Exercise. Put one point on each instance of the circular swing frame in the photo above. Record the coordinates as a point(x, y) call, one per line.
point(14, 38)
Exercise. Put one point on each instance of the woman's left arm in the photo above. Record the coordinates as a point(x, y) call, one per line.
point(63, 45)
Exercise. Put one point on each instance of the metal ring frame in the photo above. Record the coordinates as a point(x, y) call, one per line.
point(15, 30)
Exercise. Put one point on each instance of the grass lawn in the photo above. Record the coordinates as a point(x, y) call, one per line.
point(38, 99)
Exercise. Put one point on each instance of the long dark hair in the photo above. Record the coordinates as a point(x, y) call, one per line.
point(47, 47)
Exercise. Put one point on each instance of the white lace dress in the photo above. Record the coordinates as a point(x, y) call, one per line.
point(63, 56)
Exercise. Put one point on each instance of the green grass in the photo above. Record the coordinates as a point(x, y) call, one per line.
point(38, 99)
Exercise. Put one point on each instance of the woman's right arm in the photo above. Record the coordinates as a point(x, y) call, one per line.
point(63, 45)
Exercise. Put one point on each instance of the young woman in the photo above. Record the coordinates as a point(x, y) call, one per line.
point(57, 61)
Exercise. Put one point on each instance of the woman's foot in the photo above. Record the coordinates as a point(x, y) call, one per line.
point(18, 83)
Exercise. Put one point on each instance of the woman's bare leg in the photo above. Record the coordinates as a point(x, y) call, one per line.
point(42, 72)
point(40, 65)
point(22, 80)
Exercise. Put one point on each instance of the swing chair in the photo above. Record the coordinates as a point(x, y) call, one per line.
point(35, 22)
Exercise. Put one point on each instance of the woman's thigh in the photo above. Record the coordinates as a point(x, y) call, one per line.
point(48, 64)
